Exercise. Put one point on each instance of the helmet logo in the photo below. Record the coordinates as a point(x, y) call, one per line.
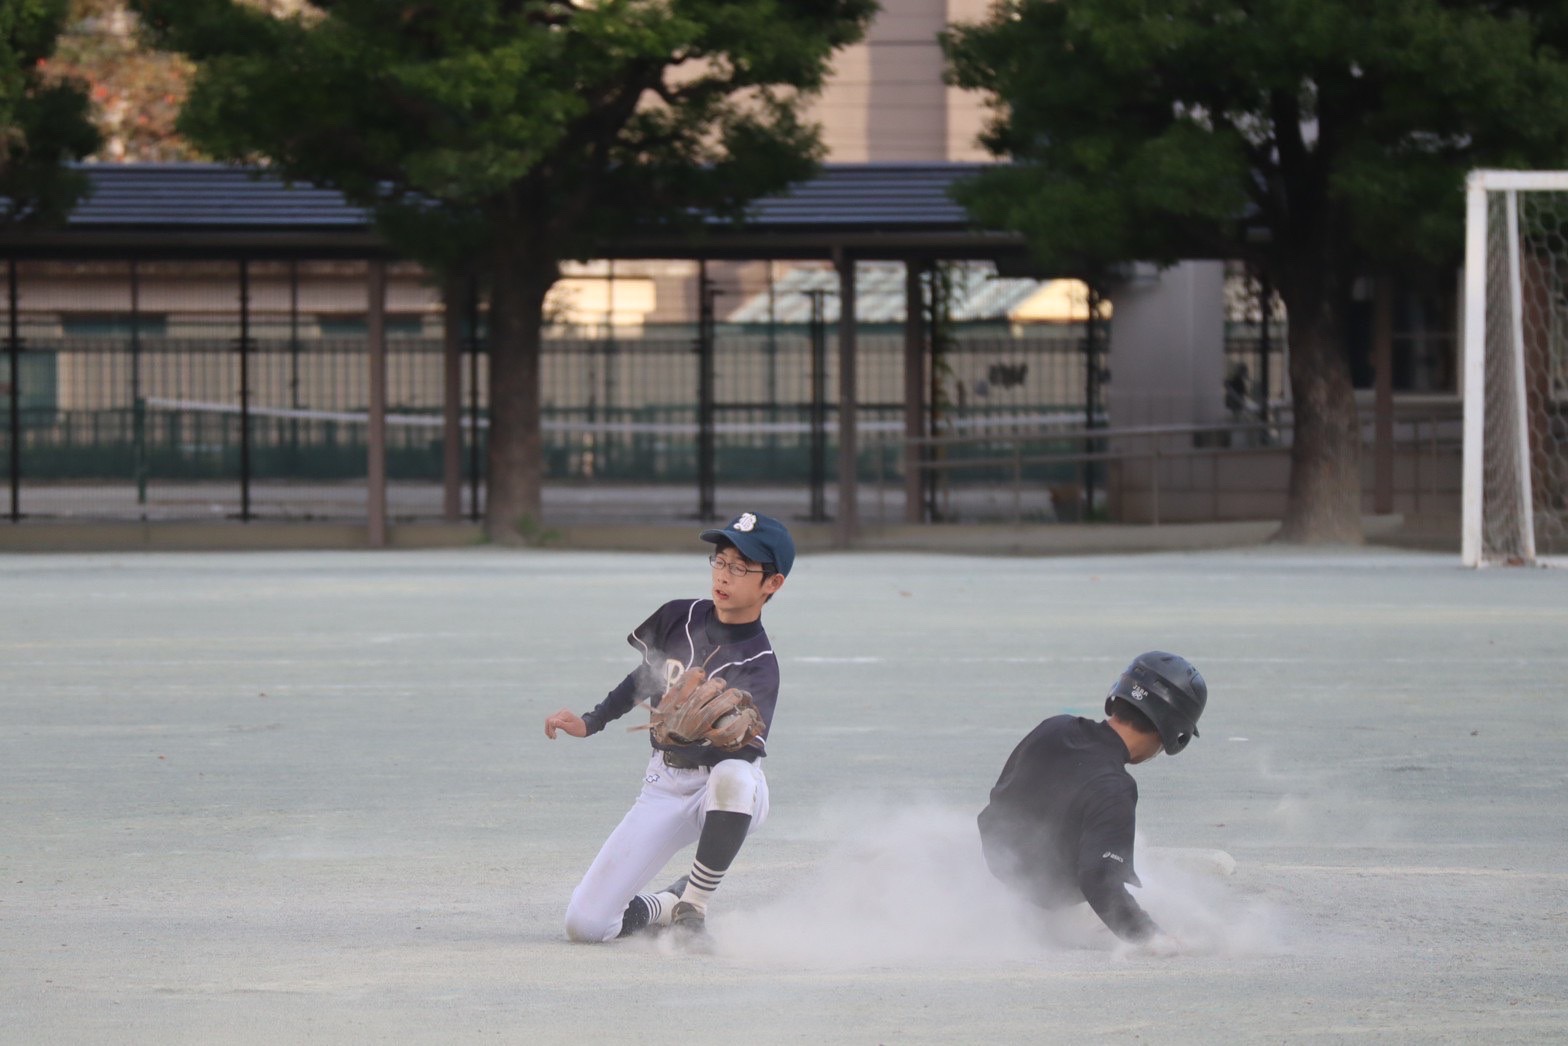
point(745, 523)
point(1138, 692)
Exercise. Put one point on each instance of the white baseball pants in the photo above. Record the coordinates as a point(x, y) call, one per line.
point(666, 817)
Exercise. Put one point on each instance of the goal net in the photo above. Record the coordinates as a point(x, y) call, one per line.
point(1515, 367)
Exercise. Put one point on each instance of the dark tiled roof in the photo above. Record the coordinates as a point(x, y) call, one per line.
point(895, 209)
point(207, 195)
point(905, 195)
point(216, 195)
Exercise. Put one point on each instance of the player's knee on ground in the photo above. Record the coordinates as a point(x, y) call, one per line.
point(592, 923)
point(732, 787)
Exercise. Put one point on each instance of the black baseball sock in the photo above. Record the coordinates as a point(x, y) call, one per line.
point(644, 910)
point(636, 917)
point(723, 833)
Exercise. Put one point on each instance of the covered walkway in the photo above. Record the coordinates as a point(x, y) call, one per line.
point(848, 214)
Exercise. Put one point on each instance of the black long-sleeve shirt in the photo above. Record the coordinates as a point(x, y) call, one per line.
point(688, 632)
point(1060, 823)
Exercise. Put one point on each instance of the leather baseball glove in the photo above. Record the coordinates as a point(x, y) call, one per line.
point(699, 710)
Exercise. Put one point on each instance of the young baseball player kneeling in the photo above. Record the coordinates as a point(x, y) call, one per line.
point(1059, 827)
point(709, 671)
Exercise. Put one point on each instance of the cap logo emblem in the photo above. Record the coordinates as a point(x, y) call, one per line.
point(1138, 692)
point(745, 524)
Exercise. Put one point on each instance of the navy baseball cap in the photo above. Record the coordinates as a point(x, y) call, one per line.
point(761, 539)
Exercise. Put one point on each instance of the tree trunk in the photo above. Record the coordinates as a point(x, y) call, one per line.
point(514, 465)
point(1323, 505)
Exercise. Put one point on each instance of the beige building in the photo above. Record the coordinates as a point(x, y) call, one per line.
point(886, 101)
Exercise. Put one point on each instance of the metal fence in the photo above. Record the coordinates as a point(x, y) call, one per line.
point(1183, 473)
point(166, 390)
point(99, 418)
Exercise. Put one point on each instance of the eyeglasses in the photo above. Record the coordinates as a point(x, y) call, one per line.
point(734, 566)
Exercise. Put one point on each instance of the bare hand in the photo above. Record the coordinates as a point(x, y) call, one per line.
point(565, 720)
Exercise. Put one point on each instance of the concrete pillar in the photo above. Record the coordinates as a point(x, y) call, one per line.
point(1167, 367)
point(1167, 356)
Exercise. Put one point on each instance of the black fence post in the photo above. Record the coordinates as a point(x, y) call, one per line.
point(473, 398)
point(604, 446)
point(770, 353)
point(13, 351)
point(915, 455)
point(819, 407)
point(1091, 405)
point(706, 478)
point(939, 336)
point(138, 406)
point(294, 350)
point(1265, 293)
point(244, 390)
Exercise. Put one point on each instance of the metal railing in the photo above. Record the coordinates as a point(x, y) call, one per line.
point(1424, 433)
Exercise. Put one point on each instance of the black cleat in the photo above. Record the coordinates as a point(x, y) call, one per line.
point(678, 887)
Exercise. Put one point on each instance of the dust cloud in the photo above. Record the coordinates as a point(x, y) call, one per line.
point(914, 891)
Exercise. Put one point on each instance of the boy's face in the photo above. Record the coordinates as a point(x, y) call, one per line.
point(739, 599)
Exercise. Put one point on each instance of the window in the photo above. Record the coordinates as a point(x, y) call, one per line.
point(399, 325)
point(113, 324)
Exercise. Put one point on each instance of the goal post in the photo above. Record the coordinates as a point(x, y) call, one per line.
point(1515, 460)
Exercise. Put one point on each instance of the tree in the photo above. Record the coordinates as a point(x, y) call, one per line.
point(521, 133)
point(43, 121)
point(1320, 141)
point(136, 91)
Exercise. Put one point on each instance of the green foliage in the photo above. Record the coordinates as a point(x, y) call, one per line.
point(1317, 140)
point(1179, 129)
point(44, 121)
point(501, 137)
point(465, 123)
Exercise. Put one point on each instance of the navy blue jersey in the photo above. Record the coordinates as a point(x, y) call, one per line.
point(688, 633)
point(1060, 823)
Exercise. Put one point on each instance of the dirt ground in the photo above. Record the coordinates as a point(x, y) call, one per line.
point(306, 797)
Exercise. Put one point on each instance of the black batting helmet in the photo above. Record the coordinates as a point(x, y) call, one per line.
point(1168, 691)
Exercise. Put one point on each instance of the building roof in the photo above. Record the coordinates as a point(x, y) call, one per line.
point(199, 195)
point(884, 210)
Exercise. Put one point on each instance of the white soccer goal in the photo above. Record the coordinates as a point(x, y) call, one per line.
point(1515, 367)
